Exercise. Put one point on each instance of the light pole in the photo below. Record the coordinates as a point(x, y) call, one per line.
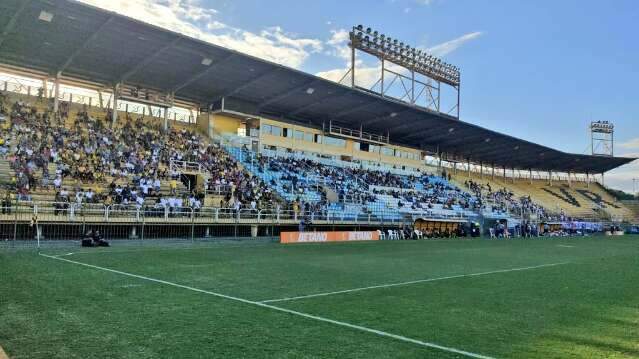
point(635, 181)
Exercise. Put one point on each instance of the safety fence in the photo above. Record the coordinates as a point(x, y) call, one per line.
point(29, 220)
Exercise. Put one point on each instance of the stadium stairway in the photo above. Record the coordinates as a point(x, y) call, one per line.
point(6, 173)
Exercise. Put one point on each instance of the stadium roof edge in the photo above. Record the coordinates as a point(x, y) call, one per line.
point(156, 58)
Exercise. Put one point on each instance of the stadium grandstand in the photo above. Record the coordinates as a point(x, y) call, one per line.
point(205, 167)
point(223, 143)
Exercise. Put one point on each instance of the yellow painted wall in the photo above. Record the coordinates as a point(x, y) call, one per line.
point(225, 124)
point(203, 123)
point(323, 148)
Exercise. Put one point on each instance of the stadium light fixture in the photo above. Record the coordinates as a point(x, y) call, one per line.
point(310, 91)
point(207, 61)
point(396, 51)
point(45, 16)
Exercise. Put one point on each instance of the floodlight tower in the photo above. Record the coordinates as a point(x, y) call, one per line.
point(418, 75)
point(602, 138)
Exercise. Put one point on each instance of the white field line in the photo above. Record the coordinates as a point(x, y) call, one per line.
point(410, 282)
point(565, 246)
point(279, 309)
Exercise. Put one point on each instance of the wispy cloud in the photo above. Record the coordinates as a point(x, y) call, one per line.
point(632, 144)
point(191, 18)
point(447, 47)
point(621, 178)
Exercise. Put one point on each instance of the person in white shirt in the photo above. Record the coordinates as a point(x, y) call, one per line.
point(79, 196)
point(139, 202)
point(57, 182)
point(89, 195)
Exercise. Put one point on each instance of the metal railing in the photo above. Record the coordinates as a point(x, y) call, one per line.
point(185, 166)
point(72, 212)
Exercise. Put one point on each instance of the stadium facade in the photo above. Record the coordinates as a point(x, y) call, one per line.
point(265, 116)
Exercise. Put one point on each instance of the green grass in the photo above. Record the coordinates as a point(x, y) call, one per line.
point(586, 308)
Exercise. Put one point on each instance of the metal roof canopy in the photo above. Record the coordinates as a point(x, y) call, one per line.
point(91, 44)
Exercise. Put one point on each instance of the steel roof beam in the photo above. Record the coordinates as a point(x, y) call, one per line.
point(312, 104)
point(286, 94)
point(351, 109)
point(202, 73)
point(249, 83)
point(385, 117)
point(84, 45)
point(147, 60)
point(13, 21)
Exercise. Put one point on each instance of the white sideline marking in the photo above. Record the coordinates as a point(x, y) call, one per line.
point(565, 246)
point(410, 282)
point(293, 312)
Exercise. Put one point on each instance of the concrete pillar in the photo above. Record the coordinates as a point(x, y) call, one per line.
point(56, 93)
point(116, 93)
point(166, 120)
point(550, 178)
point(530, 175)
point(133, 234)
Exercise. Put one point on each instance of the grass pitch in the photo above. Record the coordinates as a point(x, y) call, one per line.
point(537, 298)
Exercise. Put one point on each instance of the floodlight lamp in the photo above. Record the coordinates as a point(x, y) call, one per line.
point(375, 33)
point(45, 16)
point(368, 30)
point(207, 61)
point(360, 27)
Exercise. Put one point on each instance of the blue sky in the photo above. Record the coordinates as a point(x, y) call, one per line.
point(538, 70)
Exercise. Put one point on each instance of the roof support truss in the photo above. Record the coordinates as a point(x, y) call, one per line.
point(286, 94)
point(248, 83)
point(84, 45)
point(13, 21)
point(351, 109)
point(384, 118)
point(202, 73)
point(147, 60)
point(312, 104)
